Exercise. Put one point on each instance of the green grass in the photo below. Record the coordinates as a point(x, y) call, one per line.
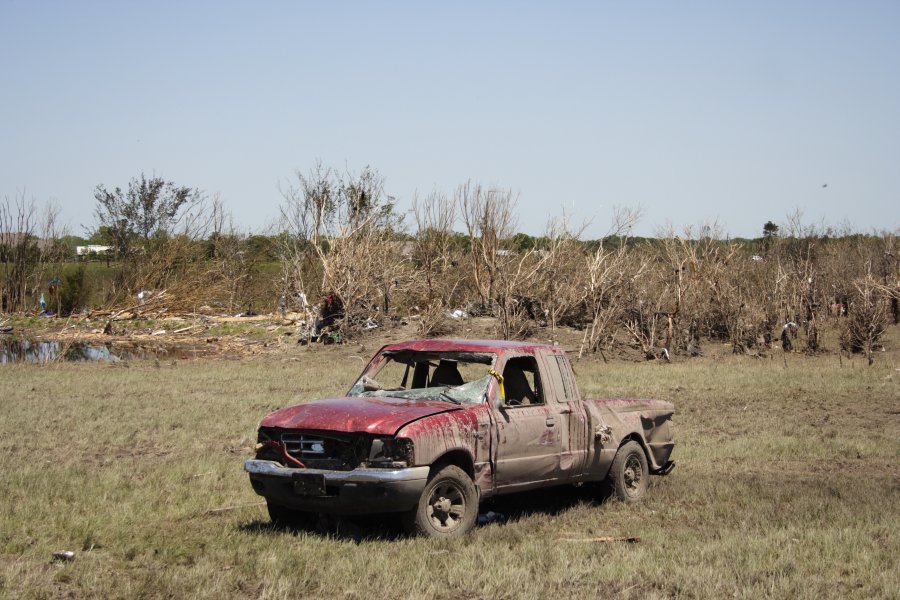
point(787, 486)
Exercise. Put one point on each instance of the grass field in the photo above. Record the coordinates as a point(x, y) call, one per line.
point(787, 486)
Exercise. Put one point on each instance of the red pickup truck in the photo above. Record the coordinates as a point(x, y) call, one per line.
point(432, 427)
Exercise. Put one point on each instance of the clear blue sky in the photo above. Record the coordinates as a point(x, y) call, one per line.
point(694, 111)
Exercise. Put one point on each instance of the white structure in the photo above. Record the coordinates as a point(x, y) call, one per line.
point(88, 250)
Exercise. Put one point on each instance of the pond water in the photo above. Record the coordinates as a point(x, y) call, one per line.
point(16, 350)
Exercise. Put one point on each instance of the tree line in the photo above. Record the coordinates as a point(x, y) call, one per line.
point(341, 235)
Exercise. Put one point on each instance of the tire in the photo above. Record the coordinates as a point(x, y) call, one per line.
point(287, 518)
point(447, 507)
point(629, 475)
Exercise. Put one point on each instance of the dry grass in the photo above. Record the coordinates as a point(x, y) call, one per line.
point(787, 487)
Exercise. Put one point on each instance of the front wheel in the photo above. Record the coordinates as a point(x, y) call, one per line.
point(447, 507)
point(630, 474)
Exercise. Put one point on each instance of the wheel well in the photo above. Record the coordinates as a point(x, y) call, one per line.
point(458, 458)
point(633, 437)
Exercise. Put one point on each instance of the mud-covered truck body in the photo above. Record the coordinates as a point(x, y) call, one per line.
point(432, 427)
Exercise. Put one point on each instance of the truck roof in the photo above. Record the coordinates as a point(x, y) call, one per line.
point(443, 345)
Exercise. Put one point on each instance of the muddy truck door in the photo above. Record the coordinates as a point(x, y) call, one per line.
point(528, 420)
point(574, 423)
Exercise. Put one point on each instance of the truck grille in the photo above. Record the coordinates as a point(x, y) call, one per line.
point(322, 450)
point(300, 445)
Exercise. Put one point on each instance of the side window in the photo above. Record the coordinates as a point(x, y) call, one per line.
point(522, 382)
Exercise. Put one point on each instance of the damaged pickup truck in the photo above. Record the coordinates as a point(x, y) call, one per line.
point(432, 427)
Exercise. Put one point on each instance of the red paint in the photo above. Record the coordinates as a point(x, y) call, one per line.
point(495, 346)
point(382, 416)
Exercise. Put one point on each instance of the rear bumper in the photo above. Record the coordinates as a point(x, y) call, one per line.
point(359, 491)
point(665, 469)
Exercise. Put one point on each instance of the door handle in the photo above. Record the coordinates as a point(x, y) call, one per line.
point(550, 422)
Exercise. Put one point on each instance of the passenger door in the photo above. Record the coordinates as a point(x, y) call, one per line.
point(528, 425)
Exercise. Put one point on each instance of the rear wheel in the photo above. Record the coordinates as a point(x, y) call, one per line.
point(289, 518)
point(630, 474)
point(447, 507)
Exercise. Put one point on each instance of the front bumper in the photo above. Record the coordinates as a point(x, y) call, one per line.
point(359, 491)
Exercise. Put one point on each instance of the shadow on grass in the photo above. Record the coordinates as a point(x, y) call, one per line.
point(499, 511)
point(357, 528)
point(546, 501)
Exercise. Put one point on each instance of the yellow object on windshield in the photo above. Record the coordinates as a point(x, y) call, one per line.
point(500, 381)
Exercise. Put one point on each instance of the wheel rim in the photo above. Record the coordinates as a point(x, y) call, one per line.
point(633, 475)
point(446, 506)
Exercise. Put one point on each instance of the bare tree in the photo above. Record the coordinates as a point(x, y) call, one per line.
point(609, 273)
point(868, 315)
point(51, 254)
point(489, 221)
point(307, 216)
point(436, 260)
point(337, 239)
point(230, 266)
point(433, 246)
point(798, 261)
point(18, 247)
point(558, 274)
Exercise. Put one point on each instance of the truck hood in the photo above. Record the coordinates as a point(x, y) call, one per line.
point(382, 416)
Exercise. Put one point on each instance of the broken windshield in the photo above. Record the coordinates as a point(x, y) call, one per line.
point(458, 377)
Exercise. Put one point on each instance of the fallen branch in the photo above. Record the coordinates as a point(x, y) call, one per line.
point(183, 329)
point(244, 319)
point(224, 509)
point(626, 539)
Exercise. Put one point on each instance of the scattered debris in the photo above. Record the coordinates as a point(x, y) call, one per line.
point(223, 509)
point(186, 329)
point(490, 517)
point(240, 318)
point(64, 556)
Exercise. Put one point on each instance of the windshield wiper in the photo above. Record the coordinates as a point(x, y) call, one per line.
point(447, 396)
